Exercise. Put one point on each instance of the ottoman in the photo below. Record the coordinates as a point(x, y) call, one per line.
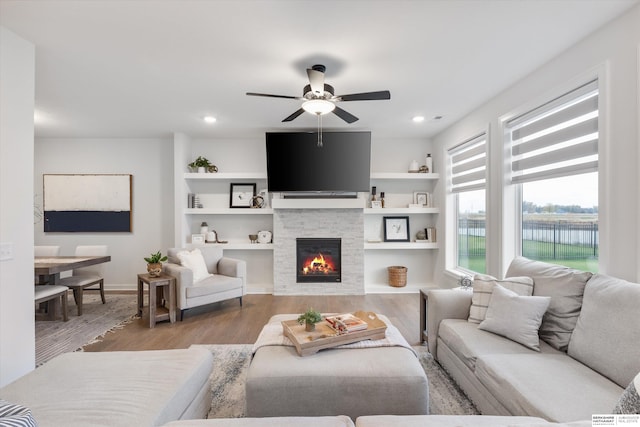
point(352, 382)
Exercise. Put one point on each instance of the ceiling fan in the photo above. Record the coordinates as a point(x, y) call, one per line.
point(319, 97)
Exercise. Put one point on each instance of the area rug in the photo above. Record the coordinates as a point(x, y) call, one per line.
point(54, 337)
point(231, 363)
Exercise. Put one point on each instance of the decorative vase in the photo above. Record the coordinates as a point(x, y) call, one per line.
point(309, 327)
point(154, 269)
point(202, 169)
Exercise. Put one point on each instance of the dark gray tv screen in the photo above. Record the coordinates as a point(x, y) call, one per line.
point(295, 162)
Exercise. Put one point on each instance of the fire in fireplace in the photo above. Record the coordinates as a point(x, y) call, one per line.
point(318, 260)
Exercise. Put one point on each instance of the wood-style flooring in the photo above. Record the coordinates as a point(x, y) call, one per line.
point(228, 323)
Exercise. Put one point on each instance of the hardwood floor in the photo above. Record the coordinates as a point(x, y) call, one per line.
point(228, 323)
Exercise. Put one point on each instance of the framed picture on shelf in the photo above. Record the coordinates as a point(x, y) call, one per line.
point(376, 204)
point(396, 228)
point(197, 239)
point(421, 198)
point(241, 195)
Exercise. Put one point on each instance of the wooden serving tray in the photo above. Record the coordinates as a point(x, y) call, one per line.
point(325, 336)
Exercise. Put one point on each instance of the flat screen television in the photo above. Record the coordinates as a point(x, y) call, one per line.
point(295, 162)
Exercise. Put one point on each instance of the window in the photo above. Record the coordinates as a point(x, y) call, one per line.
point(468, 182)
point(554, 163)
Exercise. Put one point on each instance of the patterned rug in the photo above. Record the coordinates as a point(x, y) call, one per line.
point(54, 337)
point(232, 362)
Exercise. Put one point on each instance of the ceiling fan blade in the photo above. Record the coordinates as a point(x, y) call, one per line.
point(294, 115)
point(347, 117)
point(316, 81)
point(366, 96)
point(273, 96)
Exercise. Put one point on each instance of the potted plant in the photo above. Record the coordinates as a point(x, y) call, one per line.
point(309, 319)
point(154, 264)
point(201, 164)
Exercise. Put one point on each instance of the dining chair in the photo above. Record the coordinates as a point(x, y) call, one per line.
point(51, 295)
point(44, 251)
point(82, 279)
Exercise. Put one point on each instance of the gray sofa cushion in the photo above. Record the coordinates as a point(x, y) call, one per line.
point(468, 342)
point(551, 386)
point(447, 421)
point(117, 388)
point(337, 421)
point(609, 320)
point(565, 286)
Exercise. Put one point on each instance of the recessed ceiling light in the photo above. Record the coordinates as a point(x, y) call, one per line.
point(418, 119)
point(209, 119)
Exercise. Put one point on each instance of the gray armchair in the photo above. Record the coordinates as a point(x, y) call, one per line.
point(228, 279)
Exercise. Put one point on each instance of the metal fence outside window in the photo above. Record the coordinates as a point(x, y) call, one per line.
point(540, 239)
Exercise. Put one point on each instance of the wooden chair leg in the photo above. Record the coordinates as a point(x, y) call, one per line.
point(77, 295)
point(65, 305)
point(104, 301)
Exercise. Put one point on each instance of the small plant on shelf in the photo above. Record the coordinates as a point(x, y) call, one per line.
point(309, 319)
point(154, 264)
point(200, 162)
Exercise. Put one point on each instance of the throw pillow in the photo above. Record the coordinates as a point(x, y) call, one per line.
point(515, 317)
point(15, 415)
point(629, 402)
point(194, 261)
point(483, 287)
point(565, 286)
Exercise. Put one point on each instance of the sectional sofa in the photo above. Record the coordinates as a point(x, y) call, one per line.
point(584, 351)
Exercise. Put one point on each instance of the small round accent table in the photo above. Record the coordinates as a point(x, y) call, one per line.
point(162, 292)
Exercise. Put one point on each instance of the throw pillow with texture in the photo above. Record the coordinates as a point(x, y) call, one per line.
point(565, 286)
point(515, 317)
point(194, 261)
point(629, 402)
point(15, 415)
point(483, 287)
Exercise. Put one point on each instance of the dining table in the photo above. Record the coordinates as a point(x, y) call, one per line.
point(48, 268)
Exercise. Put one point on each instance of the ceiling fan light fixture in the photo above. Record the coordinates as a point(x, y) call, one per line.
point(318, 106)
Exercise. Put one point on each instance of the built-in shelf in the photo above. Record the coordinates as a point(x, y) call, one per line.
point(244, 246)
point(399, 245)
point(404, 211)
point(400, 175)
point(226, 175)
point(228, 211)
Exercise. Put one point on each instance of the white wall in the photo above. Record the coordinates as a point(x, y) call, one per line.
point(17, 333)
point(615, 49)
point(150, 161)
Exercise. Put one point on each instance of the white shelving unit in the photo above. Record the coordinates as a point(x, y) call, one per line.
point(235, 224)
point(399, 189)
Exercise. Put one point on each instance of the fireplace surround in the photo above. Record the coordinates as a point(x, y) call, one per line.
point(346, 224)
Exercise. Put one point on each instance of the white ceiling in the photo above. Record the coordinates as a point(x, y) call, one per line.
point(149, 68)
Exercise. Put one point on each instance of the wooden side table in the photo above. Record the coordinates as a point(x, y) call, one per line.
point(157, 297)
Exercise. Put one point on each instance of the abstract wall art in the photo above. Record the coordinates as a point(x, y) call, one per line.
point(87, 202)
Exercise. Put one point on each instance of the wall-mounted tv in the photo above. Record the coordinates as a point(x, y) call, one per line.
point(295, 162)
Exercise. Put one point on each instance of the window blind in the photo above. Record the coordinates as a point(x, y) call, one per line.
point(557, 139)
point(469, 165)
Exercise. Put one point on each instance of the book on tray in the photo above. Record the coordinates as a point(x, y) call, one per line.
point(347, 322)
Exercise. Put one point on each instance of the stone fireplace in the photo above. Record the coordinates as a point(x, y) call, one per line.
point(291, 225)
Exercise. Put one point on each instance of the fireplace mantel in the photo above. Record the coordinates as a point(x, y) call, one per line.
point(355, 203)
